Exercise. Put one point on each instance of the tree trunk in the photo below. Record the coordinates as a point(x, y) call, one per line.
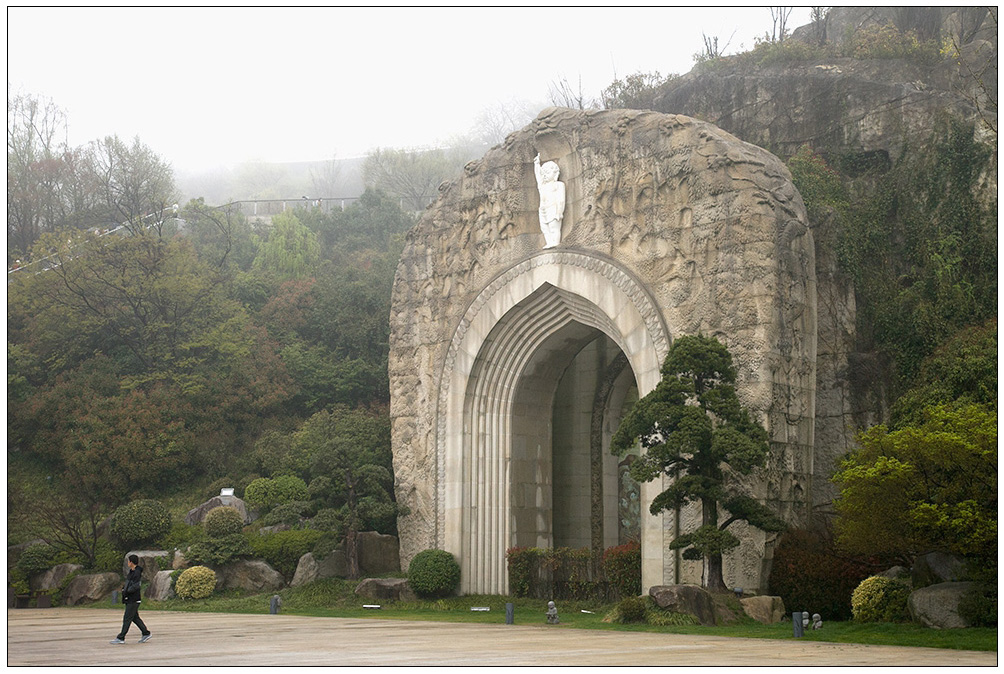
point(715, 581)
point(352, 554)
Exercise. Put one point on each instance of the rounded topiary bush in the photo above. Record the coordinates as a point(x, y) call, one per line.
point(880, 599)
point(632, 610)
point(266, 493)
point(36, 558)
point(223, 521)
point(140, 522)
point(433, 573)
point(197, 582)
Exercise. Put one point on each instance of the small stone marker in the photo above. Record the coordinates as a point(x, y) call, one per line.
point(115, 596)
point(552, 614)
point(817, 621)
point(275, 604)
point(796, 623)
point(510, 613)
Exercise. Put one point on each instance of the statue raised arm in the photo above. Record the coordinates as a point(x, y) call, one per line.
point(552, 200)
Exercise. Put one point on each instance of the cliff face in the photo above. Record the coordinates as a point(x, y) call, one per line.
point(868, 113)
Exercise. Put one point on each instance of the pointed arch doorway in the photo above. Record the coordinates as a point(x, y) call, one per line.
point(535, 381)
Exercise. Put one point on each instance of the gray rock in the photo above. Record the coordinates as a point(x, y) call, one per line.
point(308, 569)
point(152, 561)
point(936, 567)
point(765, 609)
point(160, 587)
point(179, 561)
point(52, 578)
point(253, 575)
point(92, 587)
point(896, 573)
point(689, 599)
point(938, 605)
point(386, 589)
point(379, 554)
point(197, 514)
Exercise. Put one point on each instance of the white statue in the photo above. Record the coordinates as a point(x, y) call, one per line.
point(552, 200)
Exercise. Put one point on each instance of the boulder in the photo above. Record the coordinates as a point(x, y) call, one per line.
point(379, 554)
point(386, 589)
point(252, 575)
point(51, 579)
point(689, 599)
point(198, 513)
point(309, 569)
point(92, 587)
point(179, 561)
point(936, 567)
point(765, 609)
point(160, 587)
point(896, 573)
point(152, 561)
point(938, 605)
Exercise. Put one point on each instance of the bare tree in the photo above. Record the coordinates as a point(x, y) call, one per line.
point(780, 17)
point(498, 121)
point(136, 184)
point(412, 176)
point(563, 95)
point(325, 179)
point(977, 65)
point(818, 16)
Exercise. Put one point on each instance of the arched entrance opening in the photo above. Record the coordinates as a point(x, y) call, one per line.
point(546, 362)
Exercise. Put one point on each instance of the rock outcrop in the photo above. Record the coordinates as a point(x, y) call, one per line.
point(152, 561)
point(765, 609)
point(938, 605)
point(54, 577)
point(688, 599)
point(252, 575)
point(309, 569)
point(91, 587)
point(385, 589)
point(160, 587)
point(197, 514)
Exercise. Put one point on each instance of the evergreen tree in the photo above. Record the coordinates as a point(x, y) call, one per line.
point(694, 430)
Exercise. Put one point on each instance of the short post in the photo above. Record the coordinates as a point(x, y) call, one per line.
point(796, 623)
point(275, 604)
point(510, 613)
point(115, 596)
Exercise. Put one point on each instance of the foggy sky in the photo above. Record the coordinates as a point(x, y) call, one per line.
point(209, 87)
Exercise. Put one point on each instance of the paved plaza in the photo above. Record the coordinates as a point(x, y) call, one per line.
point(79, 637)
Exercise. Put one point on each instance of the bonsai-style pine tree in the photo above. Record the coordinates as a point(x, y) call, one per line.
point(694, 430)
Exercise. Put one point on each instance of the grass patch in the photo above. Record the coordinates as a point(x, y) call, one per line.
point(334, 598)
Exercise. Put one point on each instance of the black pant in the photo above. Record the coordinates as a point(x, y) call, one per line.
point(132, 616)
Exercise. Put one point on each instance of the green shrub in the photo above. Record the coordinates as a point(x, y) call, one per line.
point(223, 521)
point(140, 522)
point(291, 514)
point(632, 609)
point(807, 573)
point(36, 558)
point(879, 599)
point(181, 536)
point(326, 519)
point(107, 557)
point(888, 42)
point(558, 573)
point(622, 568)
point(327, 543)
point(283, 549)
point(978, 606)
point(219, 551)
point(433, 573)
point(18, 580)
point(266, 493)
point(197, 582)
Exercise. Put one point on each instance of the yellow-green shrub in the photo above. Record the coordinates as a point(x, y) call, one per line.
point(880, 599)
point(197, 582)
point(223, 521)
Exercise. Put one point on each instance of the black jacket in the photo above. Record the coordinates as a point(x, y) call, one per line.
point(132, 581)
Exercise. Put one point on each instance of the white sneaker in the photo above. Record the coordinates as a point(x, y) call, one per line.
point(116, 640)
point(145, 638)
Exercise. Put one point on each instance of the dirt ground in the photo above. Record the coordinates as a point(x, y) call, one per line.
point(79, 637)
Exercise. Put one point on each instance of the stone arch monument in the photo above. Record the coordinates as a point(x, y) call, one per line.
point(528, 313)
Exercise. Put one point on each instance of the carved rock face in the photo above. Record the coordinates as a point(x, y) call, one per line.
point(671, 227)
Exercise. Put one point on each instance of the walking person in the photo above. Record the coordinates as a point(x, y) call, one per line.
point(130, 597)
